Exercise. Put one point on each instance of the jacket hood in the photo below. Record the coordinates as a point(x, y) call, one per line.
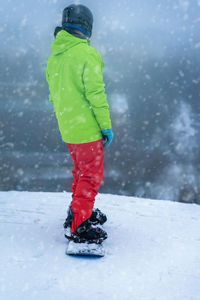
point(64, 41)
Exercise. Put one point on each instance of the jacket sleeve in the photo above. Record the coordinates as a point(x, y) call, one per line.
point(95, 91)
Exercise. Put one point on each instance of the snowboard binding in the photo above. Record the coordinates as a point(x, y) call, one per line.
point(87, 232)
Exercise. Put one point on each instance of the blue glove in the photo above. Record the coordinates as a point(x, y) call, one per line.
point(107, 137)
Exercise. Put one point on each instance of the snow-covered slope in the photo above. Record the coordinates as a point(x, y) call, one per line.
point(152, 253)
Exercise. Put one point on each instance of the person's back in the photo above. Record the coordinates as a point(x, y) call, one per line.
point(74, 74)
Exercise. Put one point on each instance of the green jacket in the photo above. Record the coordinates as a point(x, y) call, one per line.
point(75, 77)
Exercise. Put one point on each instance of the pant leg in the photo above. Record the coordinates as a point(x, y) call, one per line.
point(89, 159)
point(75, 171)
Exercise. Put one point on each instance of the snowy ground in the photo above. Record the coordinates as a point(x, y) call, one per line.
point(152, 253)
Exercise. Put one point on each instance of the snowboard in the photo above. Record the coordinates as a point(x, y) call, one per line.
point(85, 249)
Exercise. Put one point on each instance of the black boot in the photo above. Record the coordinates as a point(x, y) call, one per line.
point(69, 219)
point(68, 224)
point(97, 217)
point(89, 234)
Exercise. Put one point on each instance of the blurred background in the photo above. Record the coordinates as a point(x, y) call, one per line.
point(151, 52)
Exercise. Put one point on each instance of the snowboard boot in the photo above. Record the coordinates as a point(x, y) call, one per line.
point(87, 233)
point(68, 224)
point(97, 217)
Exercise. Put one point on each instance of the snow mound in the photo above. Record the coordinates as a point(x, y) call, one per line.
point(152, 253)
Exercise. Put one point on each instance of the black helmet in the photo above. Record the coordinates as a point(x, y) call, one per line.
point(78, 17)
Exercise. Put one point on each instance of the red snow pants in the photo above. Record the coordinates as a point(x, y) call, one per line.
point(88, 161)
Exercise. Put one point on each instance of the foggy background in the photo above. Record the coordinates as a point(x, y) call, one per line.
point(151, 52)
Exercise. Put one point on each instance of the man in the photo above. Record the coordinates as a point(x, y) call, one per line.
point(74, 74)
